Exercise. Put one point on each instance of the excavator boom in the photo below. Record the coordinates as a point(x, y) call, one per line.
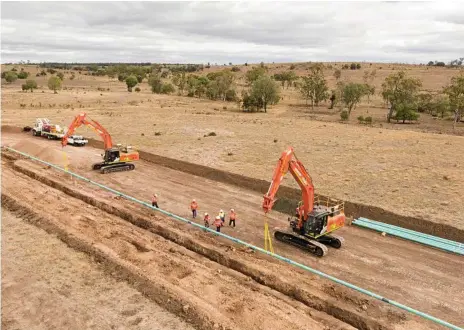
point(80, 120)
point(302, 177)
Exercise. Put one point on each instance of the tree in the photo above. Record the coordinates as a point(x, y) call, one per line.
point(254, 74)
point(266, 90)
point(406, 111)
point(30, 85)
point(315, 87)
point(441, 105)
point(455, 92)
point(131, 82)
point(337, 74)
point(54, 83)
point(10, 77)
point(155, 83)
point(352, 94)
point(398, 89)
point(180, 80)
point(60, 75)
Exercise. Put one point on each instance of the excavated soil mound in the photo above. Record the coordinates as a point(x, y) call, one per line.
point(44, 153)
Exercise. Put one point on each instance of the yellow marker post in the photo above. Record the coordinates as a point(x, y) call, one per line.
point(267, 237)
point(65, 161)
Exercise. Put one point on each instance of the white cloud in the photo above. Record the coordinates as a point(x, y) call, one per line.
point(223, 32)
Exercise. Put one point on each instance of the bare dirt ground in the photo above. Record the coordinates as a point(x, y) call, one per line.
point(400, 168)
point(388, 266)
point(47, 285)
point(226, 297)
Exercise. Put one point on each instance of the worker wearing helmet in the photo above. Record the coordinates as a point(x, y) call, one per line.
point(222, 216)
point(154, 201)
point(232, 217)
point(206, 219)
point(218, 224)
point(194, 207)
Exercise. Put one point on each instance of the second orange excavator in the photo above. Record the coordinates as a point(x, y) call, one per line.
point(313, 222)
point(115, 159)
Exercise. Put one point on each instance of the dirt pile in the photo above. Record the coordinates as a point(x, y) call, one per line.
point(47, 154)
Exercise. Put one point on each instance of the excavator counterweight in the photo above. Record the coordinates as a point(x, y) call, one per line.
point(115, 159)
point(309, 228)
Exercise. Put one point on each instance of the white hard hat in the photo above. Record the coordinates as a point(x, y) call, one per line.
point(156, 195)
point(206, 213)
point(221, 211)
point(193, 200)
point(232, 210)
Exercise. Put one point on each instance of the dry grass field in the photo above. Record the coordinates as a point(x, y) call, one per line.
point(414, 169)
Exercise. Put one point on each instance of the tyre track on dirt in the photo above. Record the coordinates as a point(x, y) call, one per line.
point(203, 292)
point(333, 300)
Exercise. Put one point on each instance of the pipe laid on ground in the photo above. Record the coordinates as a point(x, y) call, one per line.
point(236, 240)
point(437, 242)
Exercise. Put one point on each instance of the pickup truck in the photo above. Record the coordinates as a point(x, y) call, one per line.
point(77, 140)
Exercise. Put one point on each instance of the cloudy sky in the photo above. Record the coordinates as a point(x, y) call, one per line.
point(237, 32)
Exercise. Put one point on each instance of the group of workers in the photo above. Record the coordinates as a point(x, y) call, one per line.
point(218, 221)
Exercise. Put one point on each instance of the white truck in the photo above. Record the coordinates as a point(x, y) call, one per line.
point(44, 128)
point(77, 140)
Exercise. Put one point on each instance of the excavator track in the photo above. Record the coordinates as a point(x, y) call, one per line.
point(334, 241)
point(118, 167)
point(314, 247)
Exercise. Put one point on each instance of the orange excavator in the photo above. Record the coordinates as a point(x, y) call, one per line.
point(313, 222)
point(115, 159)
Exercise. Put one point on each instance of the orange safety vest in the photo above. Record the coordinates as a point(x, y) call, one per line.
point(218, 222)
point(232, 215)
point(154, 199)
point(193, 205)
point(207, 218)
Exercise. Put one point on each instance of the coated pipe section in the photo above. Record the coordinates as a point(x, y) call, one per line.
point(236, 240)
point(437, 242)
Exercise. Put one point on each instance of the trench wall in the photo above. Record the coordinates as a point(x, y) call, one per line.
point(289, 197)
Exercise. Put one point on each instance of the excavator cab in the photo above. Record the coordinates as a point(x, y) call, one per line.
point(111, 155)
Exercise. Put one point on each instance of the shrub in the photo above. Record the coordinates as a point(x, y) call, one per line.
point(368, 120)
point(137, 89)
point(292, 67)
point(10, 76)
point(361, 119)
point(23, 75)
point(344, 115)
point(167, 88)
point(60, 75)
point(353, 66)
point(131, 81)
point(358, 66)
point(235, 69)
point(231, 96)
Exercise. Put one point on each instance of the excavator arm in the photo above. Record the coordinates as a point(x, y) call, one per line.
point(302, 177)
point(97, 127)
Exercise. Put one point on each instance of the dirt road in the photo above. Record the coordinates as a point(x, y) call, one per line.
point(47, 285)
point(417, 276)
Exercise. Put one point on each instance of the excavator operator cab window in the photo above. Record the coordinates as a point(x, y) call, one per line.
point(112, 155)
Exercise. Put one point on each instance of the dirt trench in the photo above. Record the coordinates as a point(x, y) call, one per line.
point(203, 292)
point(289, 197)
point(339, 302)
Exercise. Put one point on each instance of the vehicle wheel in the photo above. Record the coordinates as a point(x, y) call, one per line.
point(319, 252)
point(336, 243)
